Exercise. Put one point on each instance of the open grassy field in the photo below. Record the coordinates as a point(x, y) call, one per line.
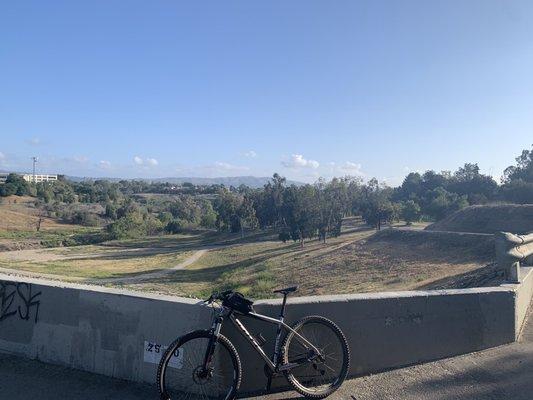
point(356, 262)
point(253, 268)
point(197, 263)
point(92, 261)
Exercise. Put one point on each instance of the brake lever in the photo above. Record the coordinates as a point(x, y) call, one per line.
point(211, 298)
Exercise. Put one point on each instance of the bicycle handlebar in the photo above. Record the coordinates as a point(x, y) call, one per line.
point(218, 296)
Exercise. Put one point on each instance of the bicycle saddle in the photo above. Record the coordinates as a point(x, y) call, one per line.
point(288, 290)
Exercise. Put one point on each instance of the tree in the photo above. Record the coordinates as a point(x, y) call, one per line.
point(354, 193)
point(268, 202)
point(518, 179)
point(410, 211)
point(442, 203)
point(478, 188)
point(332, 204)
point(134, 225)
point(14, 185)
point(111, 211)
point(299, 213)
point(186, 208)
point(377, 208)
point(235, 212)
point(523, 170)
point(209, 215)
point(174, 226)
point(518, 191)
point(246, 215)
point(411, 187)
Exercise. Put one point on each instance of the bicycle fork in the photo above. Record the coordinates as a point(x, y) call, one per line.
point(215, 329)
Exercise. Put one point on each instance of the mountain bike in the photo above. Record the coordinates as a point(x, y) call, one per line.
point(203, 364)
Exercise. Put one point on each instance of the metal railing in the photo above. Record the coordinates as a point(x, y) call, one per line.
point(512, 251)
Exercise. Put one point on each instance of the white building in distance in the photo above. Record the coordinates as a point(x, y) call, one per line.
point(30, 177)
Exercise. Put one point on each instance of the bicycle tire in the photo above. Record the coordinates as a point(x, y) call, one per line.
point(293, 380)
point(179, 343)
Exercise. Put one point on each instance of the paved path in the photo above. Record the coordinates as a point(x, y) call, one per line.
point(505, 372)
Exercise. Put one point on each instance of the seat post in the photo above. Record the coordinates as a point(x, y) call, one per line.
point(282, 314)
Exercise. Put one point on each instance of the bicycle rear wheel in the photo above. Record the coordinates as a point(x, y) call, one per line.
point(181, 374)
point(321, 377)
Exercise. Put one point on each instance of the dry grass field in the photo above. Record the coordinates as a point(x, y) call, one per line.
point(92, 261)
point(19, 220)
point(357, 261)
point(18, 213)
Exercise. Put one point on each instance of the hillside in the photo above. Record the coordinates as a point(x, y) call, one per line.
point(488, 219)
point(18, 213)
point(20, 218)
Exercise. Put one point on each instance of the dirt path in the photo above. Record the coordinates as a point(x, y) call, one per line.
point(151, 275)
point(130, 279)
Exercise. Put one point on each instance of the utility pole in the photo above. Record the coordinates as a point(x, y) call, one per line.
point(34, 162)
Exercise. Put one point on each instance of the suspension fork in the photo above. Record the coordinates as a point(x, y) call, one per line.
point(213, 340)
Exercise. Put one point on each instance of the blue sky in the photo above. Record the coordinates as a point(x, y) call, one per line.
point(227, 88)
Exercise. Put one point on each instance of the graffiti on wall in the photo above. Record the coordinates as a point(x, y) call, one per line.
point(19, 300)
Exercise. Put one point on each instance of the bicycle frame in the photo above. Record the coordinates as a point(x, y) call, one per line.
point(274, 364)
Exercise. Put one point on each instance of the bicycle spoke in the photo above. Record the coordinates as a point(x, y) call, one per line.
point(323, 371)
point(190, 381)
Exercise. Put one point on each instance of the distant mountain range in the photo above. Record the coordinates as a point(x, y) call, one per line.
point(250, 181)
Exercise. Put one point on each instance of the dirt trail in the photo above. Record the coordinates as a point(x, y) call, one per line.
point(151, 275)
point(131, 279)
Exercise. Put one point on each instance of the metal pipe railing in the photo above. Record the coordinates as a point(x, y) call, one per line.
point(512, 251)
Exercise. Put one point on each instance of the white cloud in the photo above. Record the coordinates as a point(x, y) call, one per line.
point(104, 164)
point(351, 168)
point(298, 161)
point(347, 168)
point(250, 154)
point(2, 156)
point(148, 162)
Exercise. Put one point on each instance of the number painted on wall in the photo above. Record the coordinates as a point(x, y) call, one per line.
point(154, 351)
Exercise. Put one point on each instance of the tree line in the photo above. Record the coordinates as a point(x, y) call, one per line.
point(295, 212)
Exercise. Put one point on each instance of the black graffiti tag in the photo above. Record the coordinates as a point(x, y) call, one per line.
point(18, 299)
point(6, 300)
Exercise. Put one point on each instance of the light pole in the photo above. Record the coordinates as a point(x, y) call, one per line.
point(34, 162)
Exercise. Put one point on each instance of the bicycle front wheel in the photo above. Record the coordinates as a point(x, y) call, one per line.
point(318, 378)
point(181, 374)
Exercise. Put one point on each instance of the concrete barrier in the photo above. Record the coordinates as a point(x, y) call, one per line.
point(121, 333)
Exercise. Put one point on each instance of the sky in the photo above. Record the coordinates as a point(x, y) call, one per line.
point(228, 88)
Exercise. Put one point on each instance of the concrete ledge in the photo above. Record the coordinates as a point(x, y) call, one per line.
point(118, 333)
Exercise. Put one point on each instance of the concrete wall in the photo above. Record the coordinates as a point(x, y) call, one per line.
point(117, 333)
point(524, 294)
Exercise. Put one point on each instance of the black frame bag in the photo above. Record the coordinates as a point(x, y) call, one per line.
point(236, 301)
